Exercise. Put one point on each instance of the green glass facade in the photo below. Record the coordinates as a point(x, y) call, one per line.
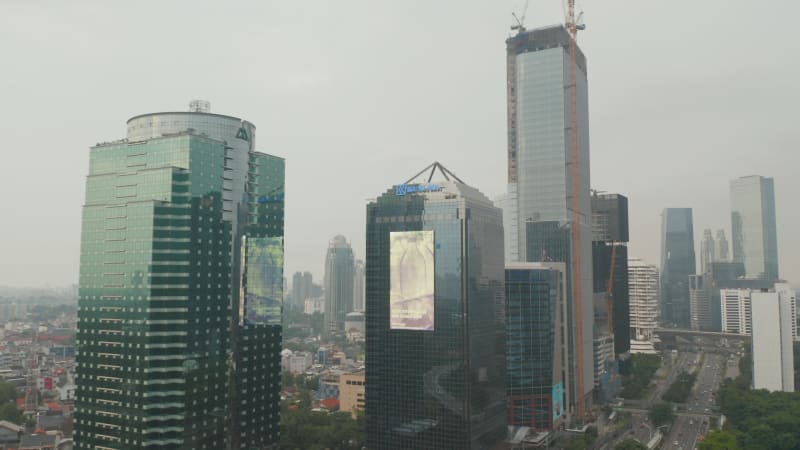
point(157, 282)
point(257, 333)
point(439, 388)
point(535, 345)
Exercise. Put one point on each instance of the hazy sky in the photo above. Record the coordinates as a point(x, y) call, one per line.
point(360, 95)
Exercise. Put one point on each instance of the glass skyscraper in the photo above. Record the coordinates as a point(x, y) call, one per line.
point(540, 167)
point(181, 258)
point(610, 242)
point(339, 278)
point(536, 345)
point(677, 263)
point(755, 241)
point(434, 314)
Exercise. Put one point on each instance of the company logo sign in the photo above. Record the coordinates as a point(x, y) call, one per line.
point(405, 189)
point(242, 134)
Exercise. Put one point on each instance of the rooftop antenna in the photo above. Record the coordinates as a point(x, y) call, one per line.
point(201, 106)
point(519, 26)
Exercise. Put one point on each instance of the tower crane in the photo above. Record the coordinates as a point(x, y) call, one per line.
point(519, 26)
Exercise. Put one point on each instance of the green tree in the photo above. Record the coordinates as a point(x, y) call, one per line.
point(8, 392)
point(719, 440)
point(637, 375)
point(661, 413)
point(10, 412)
point(630, 444)
point(680, 389)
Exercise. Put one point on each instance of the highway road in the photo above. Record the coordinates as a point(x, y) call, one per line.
point(688, 429)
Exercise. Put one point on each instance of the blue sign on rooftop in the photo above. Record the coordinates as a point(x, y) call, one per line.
point(405, 189)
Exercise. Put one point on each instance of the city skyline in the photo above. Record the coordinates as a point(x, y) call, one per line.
point(79, 79)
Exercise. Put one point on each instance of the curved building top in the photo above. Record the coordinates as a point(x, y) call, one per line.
point(216, 126)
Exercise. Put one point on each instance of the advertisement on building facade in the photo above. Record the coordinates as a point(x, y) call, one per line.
point(264, 280)
point(412, 273)
point(558, 401)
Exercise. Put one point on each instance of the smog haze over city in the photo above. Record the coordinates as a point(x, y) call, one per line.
point(684, 96)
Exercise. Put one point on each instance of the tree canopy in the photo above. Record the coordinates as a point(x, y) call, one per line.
point(661, 413)
point(637, 375)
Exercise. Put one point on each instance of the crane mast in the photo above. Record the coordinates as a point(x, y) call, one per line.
point(577, 289)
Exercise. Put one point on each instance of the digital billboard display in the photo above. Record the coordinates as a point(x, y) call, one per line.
point(411, 294)
point(263, 291)
point(558, 401)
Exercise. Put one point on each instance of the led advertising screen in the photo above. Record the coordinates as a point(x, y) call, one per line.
point(264, 275)
point(558, 401)
point(411, 305)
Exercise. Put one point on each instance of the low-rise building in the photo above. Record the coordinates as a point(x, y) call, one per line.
point(296, 362)
point(352, 393)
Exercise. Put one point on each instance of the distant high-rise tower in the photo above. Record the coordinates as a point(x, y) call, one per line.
point(700, 302)
point(181, 280)
point(755, 241)
point(358, 286)
point(677, 263)
point(338, 284)
point(302, 288)
point(708, 252)
point(540, 177)
point(435, 352)
point(722, 249)
point(644, 285)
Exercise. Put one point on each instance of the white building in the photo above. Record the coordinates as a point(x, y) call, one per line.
point(295, 362)
point(772, 324)
point(736, 311)
point(355, 326)
point(314, 305)
point(736, 306)
point(643, 300)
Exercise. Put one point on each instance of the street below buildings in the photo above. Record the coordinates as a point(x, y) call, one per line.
point(693, 418)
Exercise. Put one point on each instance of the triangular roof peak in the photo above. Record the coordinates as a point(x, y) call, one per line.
point(431, 170)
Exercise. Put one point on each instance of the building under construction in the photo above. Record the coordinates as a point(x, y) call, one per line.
point(548, 174)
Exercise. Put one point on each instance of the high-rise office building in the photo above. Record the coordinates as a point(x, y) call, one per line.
point(700, 305)
point(180, 218)
point(609, 245)
point(708, 251)
point(338, 284)
point(677, 263)
point(721, 247)
point(540, 166)
point(755, 241)
point(727, 275)
point(536, 337)
point(735, 310)
point(644, 309)
point(358, 286)
point(773, 324)
point(737, 306)
point(302, 288)
point(435, 356)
